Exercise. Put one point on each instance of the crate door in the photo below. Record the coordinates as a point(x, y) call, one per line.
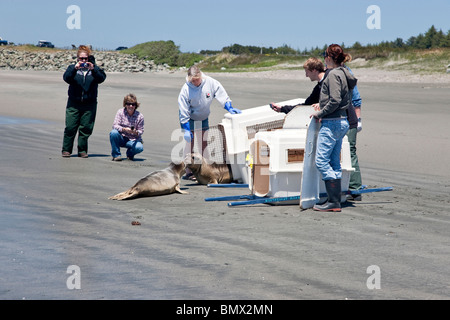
point(260, 151)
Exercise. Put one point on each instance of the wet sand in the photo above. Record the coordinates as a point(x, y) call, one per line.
point(56, 212)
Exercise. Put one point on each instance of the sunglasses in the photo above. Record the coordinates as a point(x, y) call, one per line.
point(131, 104)
point(83, 58)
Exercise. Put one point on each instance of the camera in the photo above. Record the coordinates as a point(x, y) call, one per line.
point(84, 65)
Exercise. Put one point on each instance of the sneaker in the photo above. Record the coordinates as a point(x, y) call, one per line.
point(65, 154)
point(117, 159)
point(354, 197)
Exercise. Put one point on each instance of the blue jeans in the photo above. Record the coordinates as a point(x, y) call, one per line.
point(204, 124)
point(198, 140)
point(329, 144)
point(119, 141)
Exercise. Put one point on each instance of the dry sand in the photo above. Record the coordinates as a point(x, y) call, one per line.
point(56, 212)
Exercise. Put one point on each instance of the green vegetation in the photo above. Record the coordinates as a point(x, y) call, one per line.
point(239, 49)
point(415, 60)
point(249, 62)
point(32, 48)
point(420, 61)
point(429, 52)
point(164, 52)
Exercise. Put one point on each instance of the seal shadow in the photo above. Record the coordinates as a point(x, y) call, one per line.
point(194, 184)
point(92, 155)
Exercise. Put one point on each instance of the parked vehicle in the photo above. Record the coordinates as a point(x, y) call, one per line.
point(3, 42)
point(121, 48)
point(45, 44)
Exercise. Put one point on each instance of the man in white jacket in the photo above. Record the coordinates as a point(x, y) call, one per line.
point(194, 102)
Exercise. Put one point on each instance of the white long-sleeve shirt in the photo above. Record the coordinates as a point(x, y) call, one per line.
point(194, 102)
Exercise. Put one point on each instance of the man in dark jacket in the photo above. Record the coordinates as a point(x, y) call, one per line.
point(315, 71)
point(83, 79)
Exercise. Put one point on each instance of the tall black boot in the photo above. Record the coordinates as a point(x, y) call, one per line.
point(333, 204)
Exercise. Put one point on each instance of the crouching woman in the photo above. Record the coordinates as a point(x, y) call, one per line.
point(127, 129)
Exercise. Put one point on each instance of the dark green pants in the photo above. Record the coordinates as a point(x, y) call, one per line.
point(80, 117)
point(355, 176)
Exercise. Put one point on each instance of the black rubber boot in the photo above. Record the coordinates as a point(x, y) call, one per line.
point(334, 197)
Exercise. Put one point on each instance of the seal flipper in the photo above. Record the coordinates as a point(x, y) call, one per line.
point(177, 189)
point(129, 194)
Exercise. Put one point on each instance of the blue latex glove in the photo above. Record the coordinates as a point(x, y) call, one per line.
point(187, 132)
point(359, 125)
point(230, 109)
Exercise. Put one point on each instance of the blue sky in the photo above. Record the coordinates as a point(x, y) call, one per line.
point(198, 24)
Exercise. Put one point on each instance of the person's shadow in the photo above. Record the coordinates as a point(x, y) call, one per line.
point(99, 155)
point(91, 155)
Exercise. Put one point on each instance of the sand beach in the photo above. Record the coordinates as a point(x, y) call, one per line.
point(56, 213)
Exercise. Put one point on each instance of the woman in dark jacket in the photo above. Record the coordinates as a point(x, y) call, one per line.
point(83, 79)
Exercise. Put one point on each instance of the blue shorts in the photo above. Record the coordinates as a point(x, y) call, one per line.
point(199, 124)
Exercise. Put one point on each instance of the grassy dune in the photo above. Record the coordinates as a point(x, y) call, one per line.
point(418, 61)
point(434, 61)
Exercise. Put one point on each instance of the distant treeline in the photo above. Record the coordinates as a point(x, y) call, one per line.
point(238, 49)
point(167, 52)
point(430, 40)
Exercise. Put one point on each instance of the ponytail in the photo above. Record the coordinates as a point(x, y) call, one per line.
point(336, 53)
point(348, 58)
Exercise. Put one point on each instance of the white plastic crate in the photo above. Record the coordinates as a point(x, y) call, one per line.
point(239, 130)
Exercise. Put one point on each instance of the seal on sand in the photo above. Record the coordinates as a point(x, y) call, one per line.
point(156, 183)
point(208, 173)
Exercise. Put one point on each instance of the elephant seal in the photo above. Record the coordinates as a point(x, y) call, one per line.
point(156, 183)
point(208, 173)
